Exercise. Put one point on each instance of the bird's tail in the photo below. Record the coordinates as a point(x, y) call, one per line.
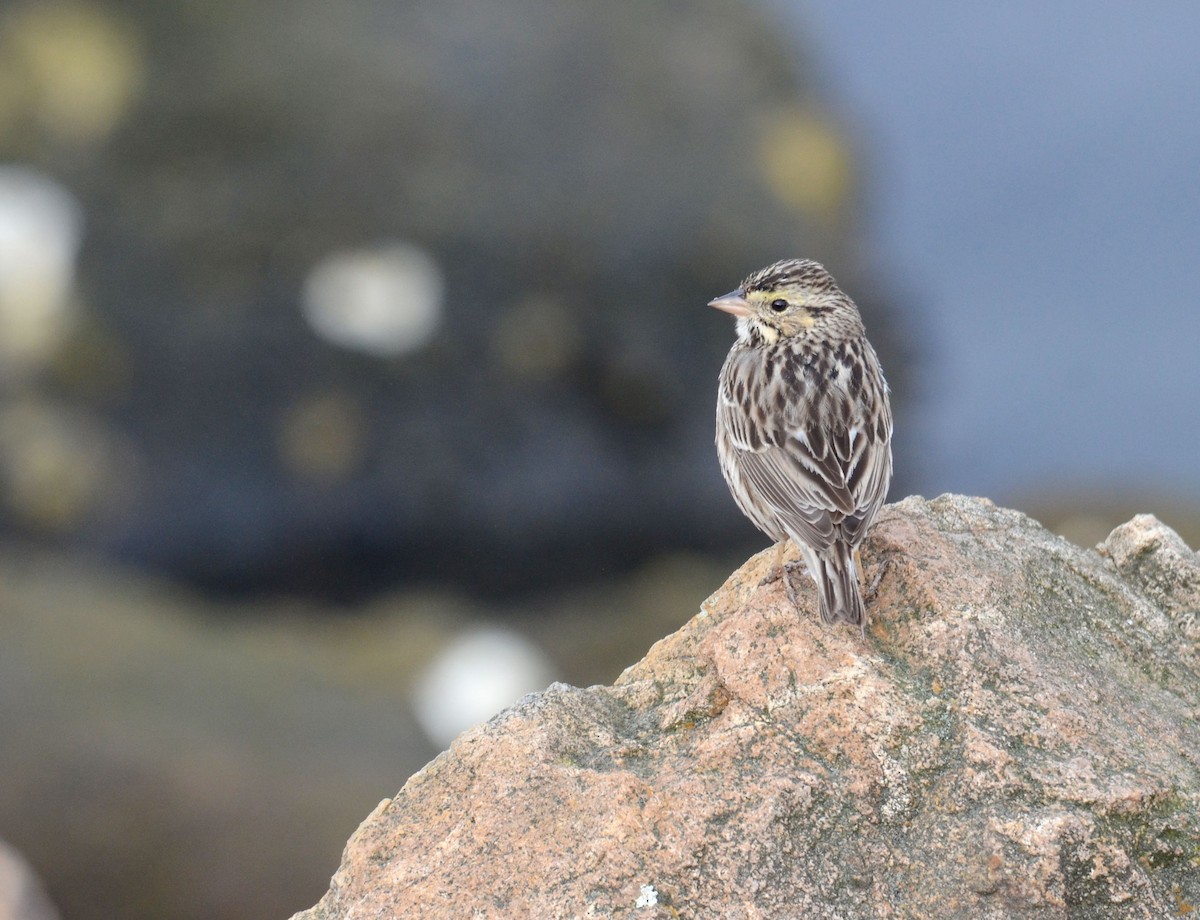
point(837, 586)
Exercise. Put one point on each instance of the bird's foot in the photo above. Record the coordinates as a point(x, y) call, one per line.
point(776, 571)
point(871, 593)
point(788, 568)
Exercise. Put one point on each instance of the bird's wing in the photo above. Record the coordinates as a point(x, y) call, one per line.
point(820, 462)
point(868, 480)
point(870, 471)
point(803, 487)
point(797, 494)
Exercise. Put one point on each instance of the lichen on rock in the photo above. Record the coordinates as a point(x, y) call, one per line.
point(1016, 736)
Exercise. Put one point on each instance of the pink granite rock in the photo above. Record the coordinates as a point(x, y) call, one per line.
point(1016, 736)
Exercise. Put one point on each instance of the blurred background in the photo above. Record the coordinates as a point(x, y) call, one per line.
point(356, 378)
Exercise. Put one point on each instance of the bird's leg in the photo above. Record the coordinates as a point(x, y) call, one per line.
point(872, 590)
point(776, 571)
point(786, 570)
point(782, 571)
point(787, 583)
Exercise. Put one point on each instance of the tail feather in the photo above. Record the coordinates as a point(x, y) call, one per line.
point(837, 586)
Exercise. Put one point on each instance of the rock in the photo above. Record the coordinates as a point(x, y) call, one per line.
point(1016, 736)
point(1154, 558)
point(21, 893)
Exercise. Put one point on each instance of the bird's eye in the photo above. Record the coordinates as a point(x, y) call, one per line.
point(779, 305)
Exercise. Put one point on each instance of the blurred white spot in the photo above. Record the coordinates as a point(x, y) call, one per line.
point(474, 677)
point(40, 228)
point(21, 892)
point(385, 300)
point(648, 897)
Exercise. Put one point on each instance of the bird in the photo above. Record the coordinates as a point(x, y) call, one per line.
point(804, 425)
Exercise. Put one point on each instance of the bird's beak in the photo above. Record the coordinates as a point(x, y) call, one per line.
point(733, 302)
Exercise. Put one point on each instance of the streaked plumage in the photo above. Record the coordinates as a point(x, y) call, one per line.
point(804, 426)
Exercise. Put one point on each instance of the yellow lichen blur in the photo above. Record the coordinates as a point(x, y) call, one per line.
point(537, 339)
point(70, 69)
point(321, 436)
point(805, 162)
point(57, 466)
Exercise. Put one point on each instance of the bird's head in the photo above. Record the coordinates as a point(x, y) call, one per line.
point(790, 298)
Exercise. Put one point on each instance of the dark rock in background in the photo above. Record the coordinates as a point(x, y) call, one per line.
point(584, 176)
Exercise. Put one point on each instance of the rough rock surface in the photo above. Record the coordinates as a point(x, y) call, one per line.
point(1016, 736)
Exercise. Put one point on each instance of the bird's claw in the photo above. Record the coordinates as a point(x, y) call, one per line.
point(788, 568)
point(871, 592)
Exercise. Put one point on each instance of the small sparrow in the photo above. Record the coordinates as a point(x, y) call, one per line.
point(804, 428)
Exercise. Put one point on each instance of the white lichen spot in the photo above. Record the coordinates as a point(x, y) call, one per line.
point(648, 897)
point(897, 792)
